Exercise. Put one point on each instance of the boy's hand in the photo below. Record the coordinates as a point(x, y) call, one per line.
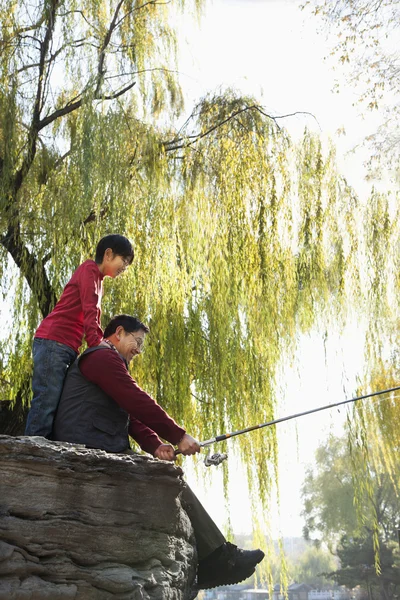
point(165, 452)
point(188, 445)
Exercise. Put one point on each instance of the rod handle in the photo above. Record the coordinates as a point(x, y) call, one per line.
point(206, 443)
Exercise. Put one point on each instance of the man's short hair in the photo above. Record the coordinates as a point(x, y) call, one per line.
point(119, 244)
point(129, 323)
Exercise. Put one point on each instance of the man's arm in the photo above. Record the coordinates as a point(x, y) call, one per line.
point(151, 443)
point(106, 369)
point(147, 439)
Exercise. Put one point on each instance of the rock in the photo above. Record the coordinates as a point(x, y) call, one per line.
point(84, 524)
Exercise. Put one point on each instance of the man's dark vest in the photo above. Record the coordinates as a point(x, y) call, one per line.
point(87, 415)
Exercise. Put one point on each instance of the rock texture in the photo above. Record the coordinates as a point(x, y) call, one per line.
point(87, 525)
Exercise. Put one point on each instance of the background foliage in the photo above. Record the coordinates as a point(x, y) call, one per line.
point(243, 239)
point(355, 530)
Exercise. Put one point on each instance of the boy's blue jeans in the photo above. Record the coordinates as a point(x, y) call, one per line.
point(50, 363)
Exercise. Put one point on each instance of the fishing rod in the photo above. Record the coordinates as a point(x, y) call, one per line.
point(220, 438)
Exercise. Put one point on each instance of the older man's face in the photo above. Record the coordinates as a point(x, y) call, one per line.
point(131, 343)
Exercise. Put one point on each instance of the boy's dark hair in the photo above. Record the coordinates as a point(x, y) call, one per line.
point(129, 323)
point(119, 244)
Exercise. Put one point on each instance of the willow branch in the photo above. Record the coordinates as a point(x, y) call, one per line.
point(141, 71)
point(136, 8)
point(68, 12)
point(75, 44)
point(199, 399)
point(70, 107)
point(118, 94)
point(100, 68)
point(36, 25)
point(34, 127)
point(179, 143)
point(196, 137)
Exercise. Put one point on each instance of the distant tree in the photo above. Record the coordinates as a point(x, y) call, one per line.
point(329, 492)
point(332, 495)
point(311, 567)
point(357, 559)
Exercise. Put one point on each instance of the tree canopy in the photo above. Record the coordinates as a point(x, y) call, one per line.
point(312, 566)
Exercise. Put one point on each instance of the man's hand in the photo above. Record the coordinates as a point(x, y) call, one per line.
point(165, 452)
point(188, 445)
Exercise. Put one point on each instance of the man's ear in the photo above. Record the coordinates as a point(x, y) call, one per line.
point(118, 331)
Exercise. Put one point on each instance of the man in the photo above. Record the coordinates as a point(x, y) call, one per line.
point(101, 404)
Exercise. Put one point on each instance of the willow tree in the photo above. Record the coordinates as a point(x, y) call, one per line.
point(243, 239)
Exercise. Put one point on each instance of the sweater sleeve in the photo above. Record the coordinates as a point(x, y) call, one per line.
point(91, 289)
point(144, 436)
point(107, 370)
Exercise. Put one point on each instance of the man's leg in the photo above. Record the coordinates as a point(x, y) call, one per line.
point(208, 536)
point(220, 562)
point(50, 363)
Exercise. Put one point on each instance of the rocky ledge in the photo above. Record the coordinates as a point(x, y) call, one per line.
point(83, 524)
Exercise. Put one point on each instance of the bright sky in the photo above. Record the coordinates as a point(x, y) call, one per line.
point(273, 51)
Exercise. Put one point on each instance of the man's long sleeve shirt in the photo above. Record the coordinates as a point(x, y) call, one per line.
point(148, 420)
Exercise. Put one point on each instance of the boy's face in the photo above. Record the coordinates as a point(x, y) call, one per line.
point(114, 264)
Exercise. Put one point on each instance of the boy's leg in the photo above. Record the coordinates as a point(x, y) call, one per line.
point(50, 363)
point(208, 535)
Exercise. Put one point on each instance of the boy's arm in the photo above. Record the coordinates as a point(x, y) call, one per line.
point(91, 290)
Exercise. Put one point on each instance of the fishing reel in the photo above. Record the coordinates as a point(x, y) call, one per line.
point(215, 459)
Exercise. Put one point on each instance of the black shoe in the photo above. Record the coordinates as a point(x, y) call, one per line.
point(227, 565)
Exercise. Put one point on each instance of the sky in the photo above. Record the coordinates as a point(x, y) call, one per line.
point(276, 52)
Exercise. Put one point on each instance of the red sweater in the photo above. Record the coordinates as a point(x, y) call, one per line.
point(78, 310)
point(147, 419)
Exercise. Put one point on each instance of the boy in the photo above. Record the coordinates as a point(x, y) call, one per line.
point(59, 336)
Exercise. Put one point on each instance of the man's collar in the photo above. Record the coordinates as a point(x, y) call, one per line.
point(111, 345)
